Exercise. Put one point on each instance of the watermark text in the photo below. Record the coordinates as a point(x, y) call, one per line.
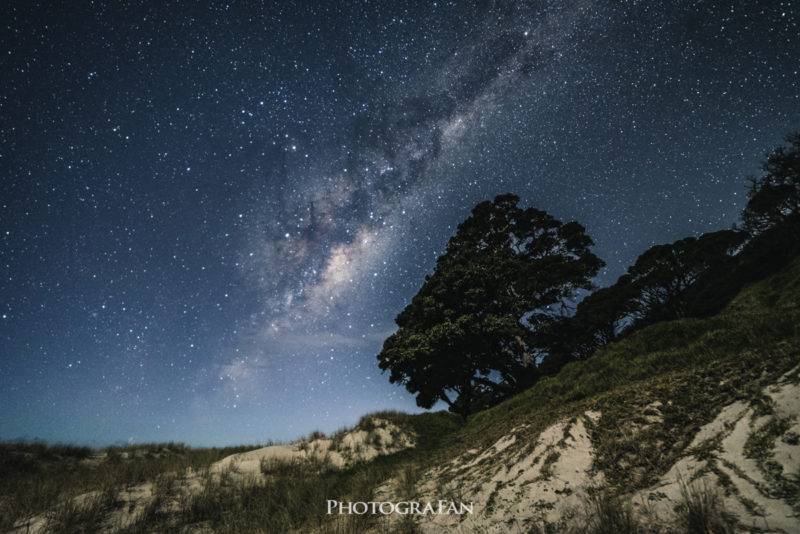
point(440, 507)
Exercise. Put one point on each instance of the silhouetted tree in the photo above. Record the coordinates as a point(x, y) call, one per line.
point(468, 331)
point(598, 320)
point(660, 285)
point(663, 274)
point(775, 197)
point(690, 277)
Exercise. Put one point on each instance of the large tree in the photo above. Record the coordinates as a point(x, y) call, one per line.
point(468, 336)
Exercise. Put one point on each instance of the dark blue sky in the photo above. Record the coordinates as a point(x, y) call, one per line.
point(210, 216)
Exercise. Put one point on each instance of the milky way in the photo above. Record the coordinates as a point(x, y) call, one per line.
point(212, 215)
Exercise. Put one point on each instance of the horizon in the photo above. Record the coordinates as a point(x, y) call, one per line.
point(212, 215)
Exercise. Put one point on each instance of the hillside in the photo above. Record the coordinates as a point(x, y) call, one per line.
point(705, 409)
point(684, 426)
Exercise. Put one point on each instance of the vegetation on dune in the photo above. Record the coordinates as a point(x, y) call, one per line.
point(293, 495)
point(38, 478)
point(758, 331)
point(35, 477)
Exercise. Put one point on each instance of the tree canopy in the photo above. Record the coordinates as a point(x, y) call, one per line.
point(775, 197)
point(658, 286)
point(663, 274)
point(469, 335)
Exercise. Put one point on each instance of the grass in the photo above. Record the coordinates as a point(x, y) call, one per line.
point(760, 447)
point(547, 464)
point(608, 514)
point(71, 517)
point(35, 477)
point(293, 495)
point(701, 511)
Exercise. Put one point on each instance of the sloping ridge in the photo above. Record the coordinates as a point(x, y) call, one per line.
point(745, 462)
point(695, 416)
point(373, 437)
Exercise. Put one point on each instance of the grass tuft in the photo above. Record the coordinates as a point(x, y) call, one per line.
point(701, 512)
point(606, 513)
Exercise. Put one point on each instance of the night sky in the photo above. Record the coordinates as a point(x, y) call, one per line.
point(210, 216)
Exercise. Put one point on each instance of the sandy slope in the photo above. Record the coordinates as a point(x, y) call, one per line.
point(726, 465)
point(347, 448)
point(517, 486)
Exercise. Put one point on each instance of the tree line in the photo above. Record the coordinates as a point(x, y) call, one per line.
point(496, 315)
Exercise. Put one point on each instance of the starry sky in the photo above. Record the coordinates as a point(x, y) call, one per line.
point(210, 213)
